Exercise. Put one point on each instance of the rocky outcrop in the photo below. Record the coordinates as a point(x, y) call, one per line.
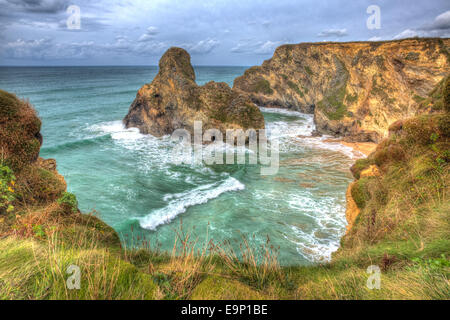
point(36, 180)
point(355, 90)
point(20, 138)
point(174, 101)
point(352, 211)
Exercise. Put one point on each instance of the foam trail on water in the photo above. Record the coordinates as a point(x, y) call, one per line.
point(178, 203)
point(300, 132)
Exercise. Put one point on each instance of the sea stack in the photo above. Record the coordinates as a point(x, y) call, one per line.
point(174, 101)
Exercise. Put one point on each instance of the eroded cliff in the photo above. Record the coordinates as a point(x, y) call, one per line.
point(355, 90)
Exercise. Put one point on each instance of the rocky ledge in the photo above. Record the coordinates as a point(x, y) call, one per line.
point(355, 90)
point(174, 101)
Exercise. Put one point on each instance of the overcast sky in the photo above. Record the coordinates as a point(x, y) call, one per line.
point(215, 32)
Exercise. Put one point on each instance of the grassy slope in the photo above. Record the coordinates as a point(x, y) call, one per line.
point(403, 228)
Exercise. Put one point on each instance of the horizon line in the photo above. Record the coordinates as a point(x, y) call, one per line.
point(110, 65)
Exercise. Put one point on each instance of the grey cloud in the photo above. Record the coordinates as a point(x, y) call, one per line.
point(439, 27)
point(256, 46)
point(149, 35)
point(202, 47)
point(333, 33)
point(441, 22)
point(47, 49)
point(88, 24)
point(209, 30)
point(37, 6)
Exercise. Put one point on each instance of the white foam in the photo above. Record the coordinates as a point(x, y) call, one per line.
point(300, 131)
point(322, 143)
point(178, 203)
point(328, 216)
point(283, 111)
point(117, 131)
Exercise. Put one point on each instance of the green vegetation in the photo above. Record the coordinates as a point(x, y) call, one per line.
point(263, 86)
point(360, 192)
point(36, 184)
point(7, 182)
point(351, 98)
point(418, 98)
point(407, 206)
point(69, 202)
point(359, 166)
point(19, 132)
point(333, 105)
point(294, 87)
point(438, 99)
point(412, 56)
point(446, 94)
point(309, 71)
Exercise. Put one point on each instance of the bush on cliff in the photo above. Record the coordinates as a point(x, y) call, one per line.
point(38, 185)
point(447, 95)
point(68, 202)
point(20, 139)
point(7, 183)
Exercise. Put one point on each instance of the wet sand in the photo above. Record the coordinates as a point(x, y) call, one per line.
point(365, 148)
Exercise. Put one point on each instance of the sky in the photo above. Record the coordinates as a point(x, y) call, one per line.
point(215, 32)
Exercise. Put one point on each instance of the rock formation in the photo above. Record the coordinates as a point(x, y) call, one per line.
point(174, 101)
point(355, 90)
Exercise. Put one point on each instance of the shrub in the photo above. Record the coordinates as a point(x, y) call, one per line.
point(420, 129)
point(294, 87)
point(447, 95)
point(309, 71)
point(359, 166)
point(444, 125)
point(396, 126)
point(7, 183)
point(68, 202)
point(388, 153)
point(20, 139)
point(263, 86)
point(360, 193)
point(35, 184)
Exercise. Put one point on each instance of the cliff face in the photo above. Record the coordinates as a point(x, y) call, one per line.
point(174, 101)
point(355, 90)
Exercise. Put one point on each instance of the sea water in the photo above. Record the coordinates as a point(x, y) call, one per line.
point(131, 182)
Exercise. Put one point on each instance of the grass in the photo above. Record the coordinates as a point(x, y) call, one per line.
point(294, 87)
point(438, 99)
point(263, 86)
point(333, 103)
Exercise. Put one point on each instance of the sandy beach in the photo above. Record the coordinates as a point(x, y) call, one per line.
point(365, 148)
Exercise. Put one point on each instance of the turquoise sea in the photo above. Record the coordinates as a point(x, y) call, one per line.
point(129, 180)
